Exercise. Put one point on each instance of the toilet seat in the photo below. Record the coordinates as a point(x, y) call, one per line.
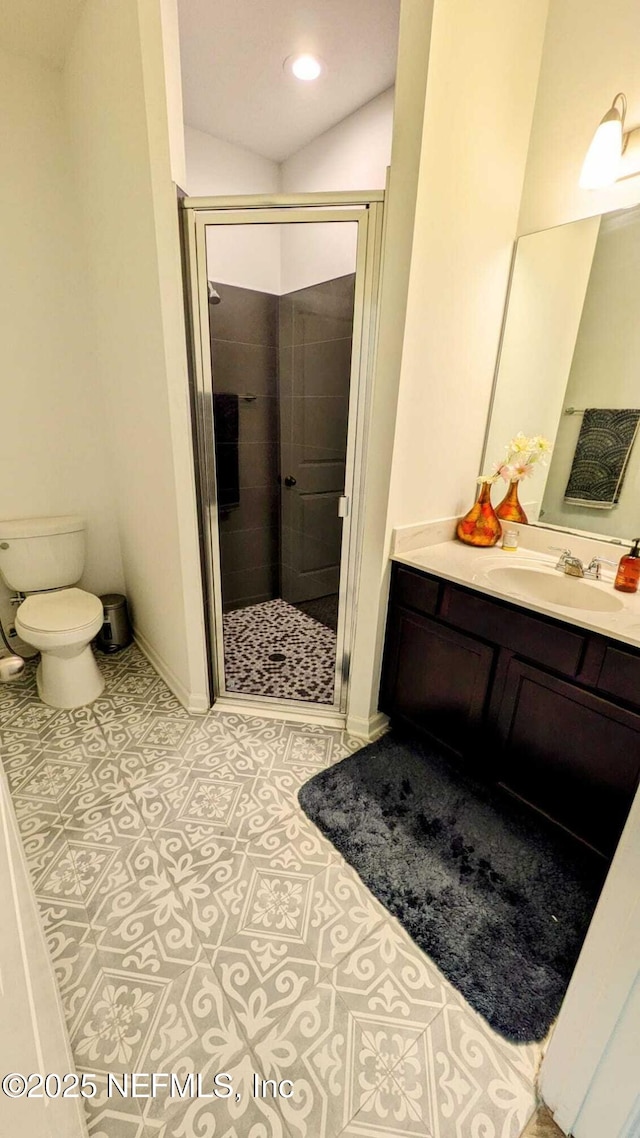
point(62, 610)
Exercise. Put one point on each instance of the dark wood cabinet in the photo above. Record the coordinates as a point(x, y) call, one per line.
point(568, 752)
point(620, 675)
point(453, 703)
point(548, 711)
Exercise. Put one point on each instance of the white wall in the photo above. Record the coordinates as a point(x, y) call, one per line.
point(52, 458)
point(476, 120)
point(546, 297)
point(116, 105)
point(589, 1076)
point(590, 53)
point(480, 96)
point(249, 258)
point(400, 211)
point(173, 88)
point(321, 252)
point(218, 168)
point(613, 1102)
point(353, 155)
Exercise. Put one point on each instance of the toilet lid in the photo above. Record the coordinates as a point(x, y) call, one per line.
point(63, 610)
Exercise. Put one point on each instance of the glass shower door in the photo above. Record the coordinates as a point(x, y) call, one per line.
point(281, 331)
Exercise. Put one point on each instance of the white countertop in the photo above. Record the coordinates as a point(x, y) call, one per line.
point(471, 567)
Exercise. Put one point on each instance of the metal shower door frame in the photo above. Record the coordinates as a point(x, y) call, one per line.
point(366, 210)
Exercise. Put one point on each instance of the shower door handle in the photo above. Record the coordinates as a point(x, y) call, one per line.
point(290, 480)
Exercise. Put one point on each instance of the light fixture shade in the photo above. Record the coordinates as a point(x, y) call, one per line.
point(602, 162)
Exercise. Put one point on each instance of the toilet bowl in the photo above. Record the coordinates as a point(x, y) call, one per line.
point(42, 559)
point(61, 624)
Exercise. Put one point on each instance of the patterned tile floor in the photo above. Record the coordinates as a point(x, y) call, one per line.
point(199, 923)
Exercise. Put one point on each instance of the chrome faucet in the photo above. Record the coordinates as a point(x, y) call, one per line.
point(573, 566)
point(593, 568)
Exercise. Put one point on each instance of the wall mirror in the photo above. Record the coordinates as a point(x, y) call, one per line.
point(569, 369)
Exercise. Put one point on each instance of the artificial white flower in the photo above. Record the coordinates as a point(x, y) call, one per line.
point(520, 456)
point(519, 445)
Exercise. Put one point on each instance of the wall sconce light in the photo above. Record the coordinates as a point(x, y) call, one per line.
point(614, 154)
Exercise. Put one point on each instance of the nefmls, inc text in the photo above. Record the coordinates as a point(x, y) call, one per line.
point(139, 1084)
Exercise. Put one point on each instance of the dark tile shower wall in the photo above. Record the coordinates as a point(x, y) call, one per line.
point(243, 331)
point(259, 343)
point(314, 354)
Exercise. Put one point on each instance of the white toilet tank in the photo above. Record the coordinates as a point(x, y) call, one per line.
point(41, 553)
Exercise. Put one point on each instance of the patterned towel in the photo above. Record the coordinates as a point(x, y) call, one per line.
point(601, 456)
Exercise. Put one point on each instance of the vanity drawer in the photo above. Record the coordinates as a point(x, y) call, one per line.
point(620, 675)
point(552, 645)
point(413, 591)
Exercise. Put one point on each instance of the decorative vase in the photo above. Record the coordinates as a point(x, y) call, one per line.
point(510, 509)
point(480, 526)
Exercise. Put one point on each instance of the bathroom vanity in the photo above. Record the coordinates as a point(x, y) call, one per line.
point(538, 697)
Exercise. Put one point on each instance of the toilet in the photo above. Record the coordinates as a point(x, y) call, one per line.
point(42, 558)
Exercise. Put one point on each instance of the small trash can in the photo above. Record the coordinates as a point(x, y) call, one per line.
point(116, 629)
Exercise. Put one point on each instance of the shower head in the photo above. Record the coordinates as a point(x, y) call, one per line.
point(214, 295)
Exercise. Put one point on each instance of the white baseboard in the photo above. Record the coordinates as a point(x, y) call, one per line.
point(292, 715)
point(370, 728)
point(195, 703)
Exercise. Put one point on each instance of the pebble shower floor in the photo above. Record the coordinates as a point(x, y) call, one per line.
point(197, 922)
point(274, 649)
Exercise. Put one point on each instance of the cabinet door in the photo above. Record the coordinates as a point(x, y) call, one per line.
point(571, 754)
point(620, 674)
point(435, 678)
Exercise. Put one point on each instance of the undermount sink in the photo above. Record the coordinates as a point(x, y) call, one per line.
point(542, 584)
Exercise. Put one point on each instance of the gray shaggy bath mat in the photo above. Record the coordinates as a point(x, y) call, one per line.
point(498, 898)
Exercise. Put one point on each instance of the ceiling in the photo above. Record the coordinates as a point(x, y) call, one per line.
point(234, 85)
point(40, 28)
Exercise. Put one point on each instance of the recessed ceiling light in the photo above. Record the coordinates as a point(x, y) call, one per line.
point(305, 67)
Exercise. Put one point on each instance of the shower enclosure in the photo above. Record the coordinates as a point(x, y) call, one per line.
point(282, 303)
